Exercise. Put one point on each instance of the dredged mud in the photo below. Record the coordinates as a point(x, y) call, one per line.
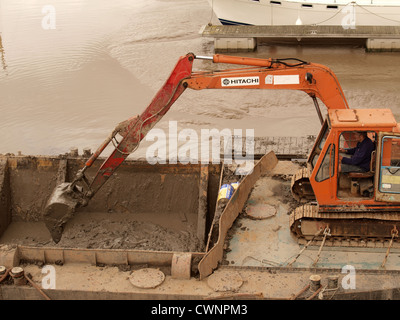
point(105, 231)
point(142, 206)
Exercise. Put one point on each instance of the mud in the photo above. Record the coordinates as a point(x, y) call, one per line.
point(142, 206)
point(136, 187)
point(282, 191)
point(108, 231)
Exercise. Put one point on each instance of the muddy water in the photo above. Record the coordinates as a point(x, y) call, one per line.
point(104, 60)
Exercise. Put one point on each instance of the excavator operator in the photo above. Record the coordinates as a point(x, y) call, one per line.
point(361, 154)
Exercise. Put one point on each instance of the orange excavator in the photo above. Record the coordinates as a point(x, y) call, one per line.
point(355, 205)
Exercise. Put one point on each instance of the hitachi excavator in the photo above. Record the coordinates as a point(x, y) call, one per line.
point(362, 205)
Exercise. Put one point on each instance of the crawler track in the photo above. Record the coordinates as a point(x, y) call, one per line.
point(301, 187)
point(359, 229)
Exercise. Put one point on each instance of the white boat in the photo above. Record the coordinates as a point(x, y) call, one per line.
point(348, 14)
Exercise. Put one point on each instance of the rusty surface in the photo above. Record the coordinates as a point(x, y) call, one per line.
point(33, 284)
point(232, 210)
point(202, 211)
point(5, 196)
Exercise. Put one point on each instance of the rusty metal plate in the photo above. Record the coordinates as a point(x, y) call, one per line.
point(147, 278)
point(232, 210)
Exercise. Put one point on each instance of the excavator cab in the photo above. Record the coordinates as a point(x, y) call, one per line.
point(330, 186)
point(353, 205)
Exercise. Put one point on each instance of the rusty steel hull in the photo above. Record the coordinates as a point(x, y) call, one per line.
point(173, 194)
point(194, 191)
point(105, 272)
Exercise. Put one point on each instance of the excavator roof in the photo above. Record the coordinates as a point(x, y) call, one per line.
point(355, 119)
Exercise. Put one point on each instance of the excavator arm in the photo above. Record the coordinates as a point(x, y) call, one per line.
point(316, 80)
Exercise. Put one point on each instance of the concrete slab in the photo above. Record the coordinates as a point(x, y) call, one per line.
point(235, 38)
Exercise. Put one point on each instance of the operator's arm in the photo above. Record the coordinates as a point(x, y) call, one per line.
point(361, 155)
point(350, 151)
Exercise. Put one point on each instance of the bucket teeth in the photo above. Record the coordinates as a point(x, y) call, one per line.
point(55, 231)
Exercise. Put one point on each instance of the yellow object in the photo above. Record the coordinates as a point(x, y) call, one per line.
point(225, 192)
point(235, 185)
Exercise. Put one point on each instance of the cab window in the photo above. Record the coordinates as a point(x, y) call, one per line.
point(347, 139)
point(320, 144)
point(327, 168)
point(389, 180)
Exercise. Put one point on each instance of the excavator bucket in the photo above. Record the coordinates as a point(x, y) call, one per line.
point(60, 208)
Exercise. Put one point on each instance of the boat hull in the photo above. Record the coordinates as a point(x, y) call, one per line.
point(263, 12)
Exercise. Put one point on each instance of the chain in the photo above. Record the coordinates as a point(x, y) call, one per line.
point(305, 247)
point(394, 233)
point(327, 232)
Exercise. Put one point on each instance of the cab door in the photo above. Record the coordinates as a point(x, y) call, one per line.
point(387, 177)
point(323, 178)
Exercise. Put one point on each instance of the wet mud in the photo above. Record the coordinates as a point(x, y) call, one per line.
point(107, 231)
point(141, 207)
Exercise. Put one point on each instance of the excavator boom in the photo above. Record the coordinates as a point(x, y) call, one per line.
point(136, 129)
point(292, 74)
point(66, 197)
point(316, 80)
